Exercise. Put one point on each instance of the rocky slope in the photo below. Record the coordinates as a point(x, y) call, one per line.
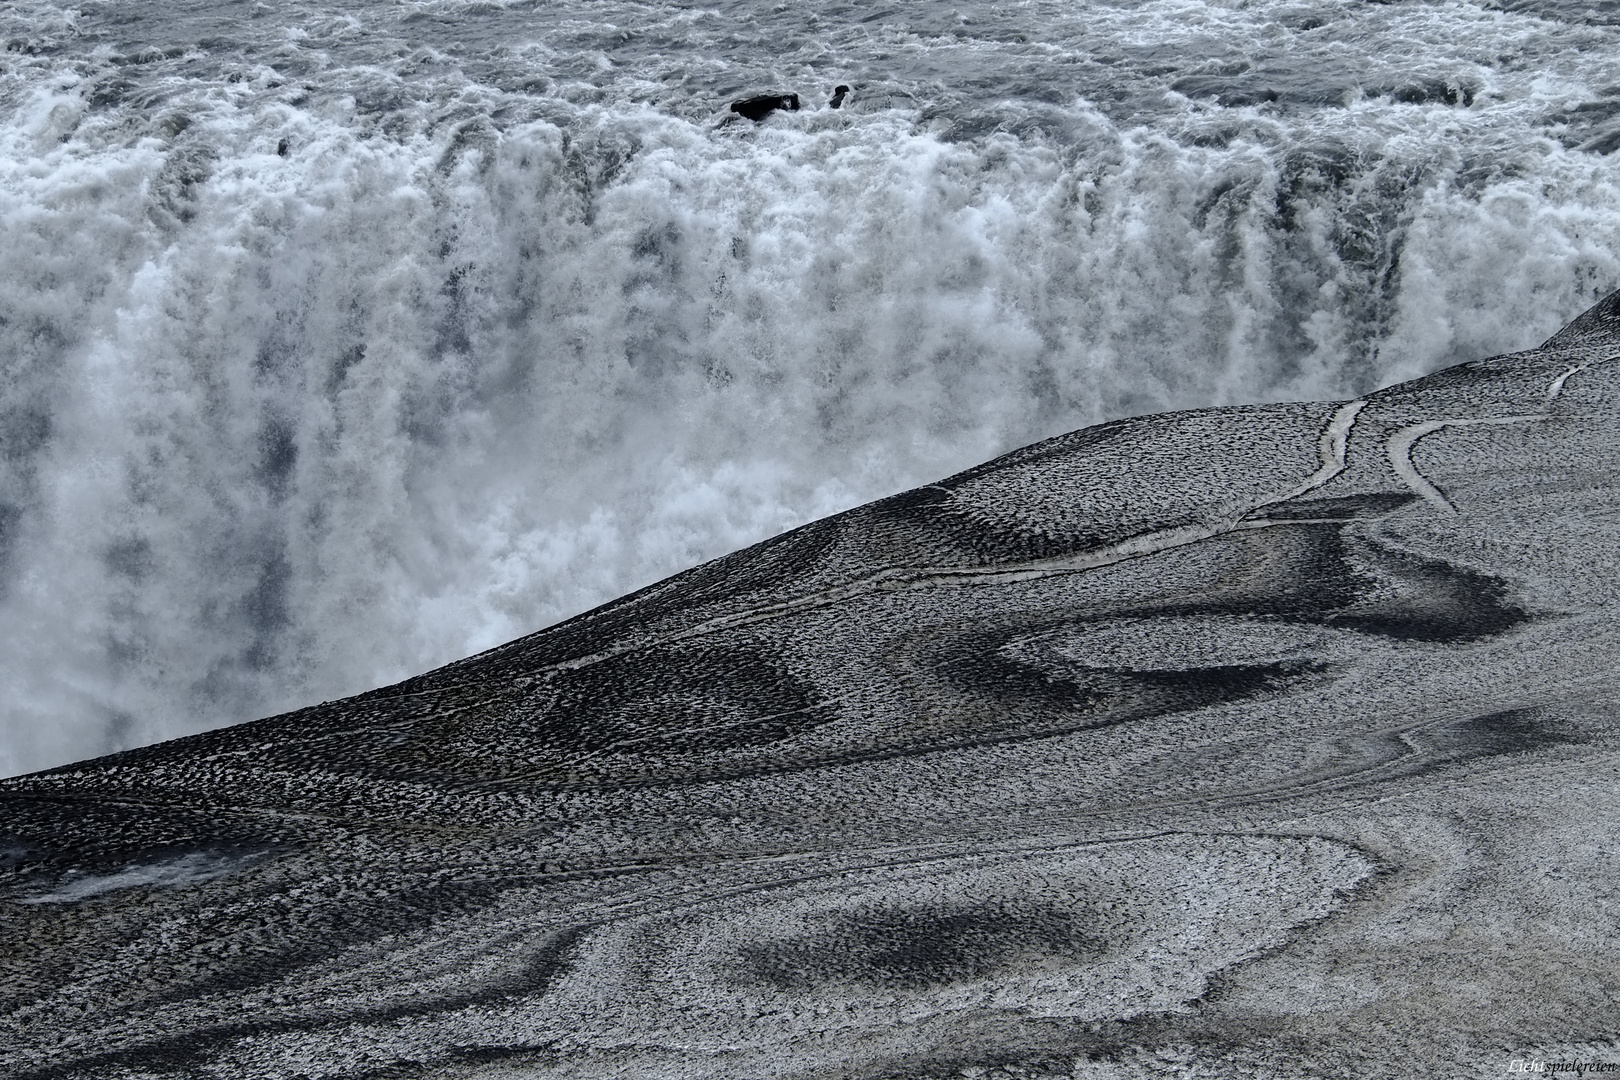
point(1276, 740)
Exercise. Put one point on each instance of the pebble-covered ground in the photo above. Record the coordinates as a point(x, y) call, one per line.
point(1262, 741)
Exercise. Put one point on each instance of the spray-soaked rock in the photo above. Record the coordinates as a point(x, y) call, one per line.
point(758, 108)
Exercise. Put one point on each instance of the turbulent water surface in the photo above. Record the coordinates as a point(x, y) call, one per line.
point(339, 340)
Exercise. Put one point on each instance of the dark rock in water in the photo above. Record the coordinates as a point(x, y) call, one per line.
point(757, 108)
point(1276, 740)
point(838, 96)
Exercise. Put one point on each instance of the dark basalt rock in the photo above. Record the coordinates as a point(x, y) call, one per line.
point(758, 108)
point(839, 93)
point(1275, 740)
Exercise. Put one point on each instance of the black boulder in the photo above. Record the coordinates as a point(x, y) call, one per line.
point(757, 108)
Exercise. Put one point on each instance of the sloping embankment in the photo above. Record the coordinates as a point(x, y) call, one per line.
point(1274, 738)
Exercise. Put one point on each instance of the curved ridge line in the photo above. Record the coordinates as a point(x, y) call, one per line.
point(1332, 447)
point(1557, 386)
point(1399, 449)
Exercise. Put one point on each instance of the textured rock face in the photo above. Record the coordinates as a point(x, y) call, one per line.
point(1275, 740)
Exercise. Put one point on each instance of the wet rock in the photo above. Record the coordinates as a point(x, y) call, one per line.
point(758, 108)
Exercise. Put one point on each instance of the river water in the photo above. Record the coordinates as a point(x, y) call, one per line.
point(339, 340)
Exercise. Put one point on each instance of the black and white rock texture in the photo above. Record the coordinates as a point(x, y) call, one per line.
point(1266, 741)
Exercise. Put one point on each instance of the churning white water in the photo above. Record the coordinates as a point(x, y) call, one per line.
point(342, 339)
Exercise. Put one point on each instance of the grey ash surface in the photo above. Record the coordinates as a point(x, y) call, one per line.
point(1256, 741)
